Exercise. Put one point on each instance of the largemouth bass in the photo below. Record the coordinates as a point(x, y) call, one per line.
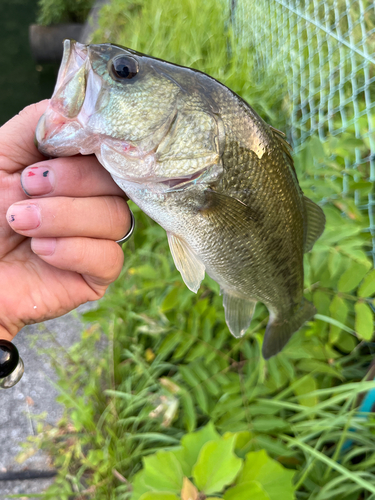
point(199, 161)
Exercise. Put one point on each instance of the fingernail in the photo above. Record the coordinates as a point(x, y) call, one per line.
point(43, 246)
point(23, 217)
point(36, 181)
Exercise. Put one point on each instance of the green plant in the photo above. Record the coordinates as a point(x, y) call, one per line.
point(209, 464)
point(63, 11)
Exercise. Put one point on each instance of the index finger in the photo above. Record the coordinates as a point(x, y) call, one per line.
point(17, 148)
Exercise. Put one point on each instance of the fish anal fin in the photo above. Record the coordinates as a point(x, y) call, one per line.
point(280, 330)
point(238, 313)
point(314, 224)
point(187, 262)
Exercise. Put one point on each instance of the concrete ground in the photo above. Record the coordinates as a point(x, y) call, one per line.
point(33, 395)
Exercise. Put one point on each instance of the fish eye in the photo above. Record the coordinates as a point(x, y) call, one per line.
point(125, 67)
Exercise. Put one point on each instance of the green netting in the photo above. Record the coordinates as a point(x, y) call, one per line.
point(325, 52)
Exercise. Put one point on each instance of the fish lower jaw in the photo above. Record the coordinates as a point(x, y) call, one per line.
point(57, 135)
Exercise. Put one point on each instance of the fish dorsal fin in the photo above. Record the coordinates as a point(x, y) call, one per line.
point(314, 225)
point(190, 266)
point(285, 147)
point(238, 313)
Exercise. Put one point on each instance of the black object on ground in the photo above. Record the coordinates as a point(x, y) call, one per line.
point(26, 474)
point(9, 358)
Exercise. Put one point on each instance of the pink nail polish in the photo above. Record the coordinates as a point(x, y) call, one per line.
point(43, 246)
point(36, 181)
point(23, 217)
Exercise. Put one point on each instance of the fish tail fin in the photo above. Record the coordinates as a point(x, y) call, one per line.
point(280, 329)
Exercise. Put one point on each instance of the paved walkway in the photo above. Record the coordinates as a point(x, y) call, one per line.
point(33, 395)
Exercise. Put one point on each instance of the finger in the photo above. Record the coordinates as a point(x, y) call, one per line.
point(17, 148)
point(99, 261)
point(72, 176)
point(106, 217)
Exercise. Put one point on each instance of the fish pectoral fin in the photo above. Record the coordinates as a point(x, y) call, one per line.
point(314, 225)
point(238, 313)
point(187, 262)
point(280, 330)
point(229, 212)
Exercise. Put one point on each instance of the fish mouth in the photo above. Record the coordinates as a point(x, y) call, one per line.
point(72, 104)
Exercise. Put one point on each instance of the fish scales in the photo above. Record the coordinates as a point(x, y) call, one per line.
point(198, 160)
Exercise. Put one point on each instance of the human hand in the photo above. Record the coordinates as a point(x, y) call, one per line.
point(57, 242)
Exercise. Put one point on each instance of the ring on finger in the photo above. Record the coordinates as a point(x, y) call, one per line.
point(130, 232)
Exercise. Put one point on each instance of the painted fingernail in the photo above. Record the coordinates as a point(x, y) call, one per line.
point(23, 217)
point(43, 246)
point(36, 181)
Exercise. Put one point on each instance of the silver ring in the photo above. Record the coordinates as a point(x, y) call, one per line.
point(130, 232)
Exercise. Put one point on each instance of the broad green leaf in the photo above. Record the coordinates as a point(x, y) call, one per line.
point(367, 288)
point(242, 440)
point(192, 443)
point(169, 344)
point(334, 261)
point(217, 466)
point(335, 235)
point(303, 388)
point(187, 403)
point(315, 147)
point(201, 397)
point(274, 478)
point(321, 301)
point(346, 343)
point(364, 320)
point(160, 495)
point(139, 486)
point(339, 311)
point(171, 300)
point(332, 321)
point(145, 271)
point(269, 424)
point(348, 142)
point(364, 187)
point(314, 365)
point(352, 277)
point(251, 490)
point(180, 455)
point(161, 472)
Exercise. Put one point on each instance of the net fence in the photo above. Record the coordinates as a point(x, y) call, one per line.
point(326, 52)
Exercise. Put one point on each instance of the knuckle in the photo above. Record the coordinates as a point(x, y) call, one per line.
point(114, 258)
point(79, 258)
point(118, 216)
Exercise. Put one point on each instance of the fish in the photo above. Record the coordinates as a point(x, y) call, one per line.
point(197, 159)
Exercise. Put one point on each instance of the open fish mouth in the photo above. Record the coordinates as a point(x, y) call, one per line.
point(60, 130)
